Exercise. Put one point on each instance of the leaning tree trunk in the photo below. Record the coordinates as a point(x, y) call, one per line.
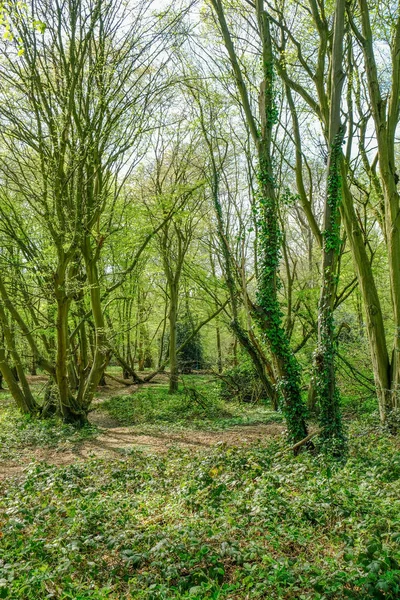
point(385, 111)
point(373, 308)
point(24, 403)
point(21, 392)
point(245, 339)
point(268, 310)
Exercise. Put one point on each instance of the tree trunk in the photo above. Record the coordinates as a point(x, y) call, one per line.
point(268, 310)
point(385, 113)
point(162, 338)
point(70, 410)
point(244, 338)
point(173, 359)
point(235, 352)
point(23, 404)
point(327, 391)
point(33, 367)
point(141, 332)
point(219, 348)
point(101, 353)
point(372, 305)
point(24, 399)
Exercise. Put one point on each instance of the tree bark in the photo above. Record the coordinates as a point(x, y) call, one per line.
point(173, 358)
point(327, 391)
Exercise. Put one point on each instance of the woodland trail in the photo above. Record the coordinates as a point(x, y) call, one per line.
point(115, 442)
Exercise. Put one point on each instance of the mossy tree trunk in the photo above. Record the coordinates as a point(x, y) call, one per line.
point(267, 311)
point(327, 390)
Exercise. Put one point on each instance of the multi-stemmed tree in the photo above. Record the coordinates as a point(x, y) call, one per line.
point(77, 88)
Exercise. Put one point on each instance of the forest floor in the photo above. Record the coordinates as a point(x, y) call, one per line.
point(166, 498)
point(107, 438)
point(113, 442)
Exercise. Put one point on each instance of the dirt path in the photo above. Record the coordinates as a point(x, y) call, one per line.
point(114, 442)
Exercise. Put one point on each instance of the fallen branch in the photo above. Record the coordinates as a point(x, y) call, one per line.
point(296, 447)
point(118, 380)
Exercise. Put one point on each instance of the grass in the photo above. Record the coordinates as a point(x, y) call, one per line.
point(221, 523)
point(155, 407)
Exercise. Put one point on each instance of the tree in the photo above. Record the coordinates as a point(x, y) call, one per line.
point(210, 111)
point(176, 179)
point(77, 102)
point(328, 393)
point(307, 79)
point(268, 311)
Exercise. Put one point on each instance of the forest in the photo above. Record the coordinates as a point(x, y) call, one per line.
point(199, 299)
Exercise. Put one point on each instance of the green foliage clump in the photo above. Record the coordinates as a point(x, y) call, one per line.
point(392, 422)
point(331, 235)
point(327, 389)
point(191, 357)
point(155, 405)
point(242, 383)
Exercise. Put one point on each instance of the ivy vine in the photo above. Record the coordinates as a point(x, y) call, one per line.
point(326, 386)
point(268, 311)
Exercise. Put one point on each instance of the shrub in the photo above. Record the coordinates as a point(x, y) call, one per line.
point(243, 383)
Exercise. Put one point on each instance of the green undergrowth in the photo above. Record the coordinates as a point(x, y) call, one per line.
point(225, 523)
point(19, 432)
point(203, 409)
